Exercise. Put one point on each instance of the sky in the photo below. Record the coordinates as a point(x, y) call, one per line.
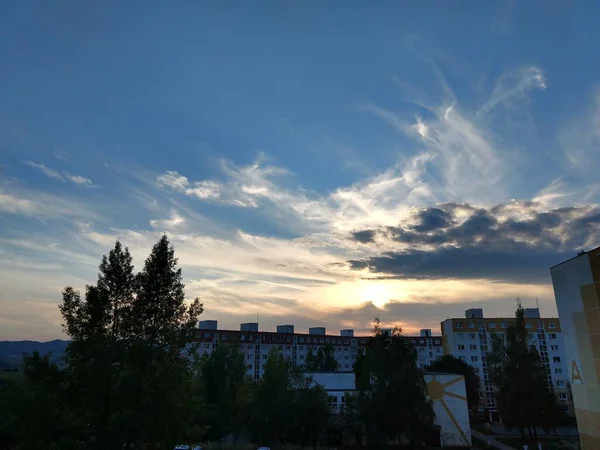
point(313, 163)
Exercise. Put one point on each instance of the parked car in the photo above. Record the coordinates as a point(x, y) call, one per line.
point(182, 447)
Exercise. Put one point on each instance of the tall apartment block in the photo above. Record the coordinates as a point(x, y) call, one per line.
point(256, 345)
point(470, 339)
point(577, 292)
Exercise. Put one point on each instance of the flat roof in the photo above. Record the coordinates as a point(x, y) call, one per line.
point(583, 252)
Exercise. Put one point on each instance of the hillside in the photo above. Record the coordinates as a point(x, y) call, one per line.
point(11, 352)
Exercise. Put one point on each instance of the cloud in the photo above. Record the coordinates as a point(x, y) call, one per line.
point(515, 242)
point(50, 173)
point(77, 179)
point(64, 176)
point(513, 85)
point(580, 140)
point(40, 205)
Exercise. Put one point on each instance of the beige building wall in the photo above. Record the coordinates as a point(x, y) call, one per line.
point(577, 291)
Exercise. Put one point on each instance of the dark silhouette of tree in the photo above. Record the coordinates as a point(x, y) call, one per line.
point(391, 400)
point(127, 363)
point(522, 393)
point(323, 361)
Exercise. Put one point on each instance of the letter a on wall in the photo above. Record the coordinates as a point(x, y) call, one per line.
point(576, 377)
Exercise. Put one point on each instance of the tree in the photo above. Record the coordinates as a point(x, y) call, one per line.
point(311, 413)
point(129, 359)
point(522, 393)
point(392, 395)
point(101, 330)
point(452, 364)
point(33, 413)
point(287, 406)
point(324, 361)
point(223, 374)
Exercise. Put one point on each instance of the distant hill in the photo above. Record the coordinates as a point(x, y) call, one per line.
point(11, 352)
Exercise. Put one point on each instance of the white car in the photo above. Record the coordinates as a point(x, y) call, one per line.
point(182, 447)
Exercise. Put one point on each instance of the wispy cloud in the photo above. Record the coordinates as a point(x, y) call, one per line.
point(50, 173)
point(513, 85)
point(42, 205)
point(580, 139)
point(64, 176)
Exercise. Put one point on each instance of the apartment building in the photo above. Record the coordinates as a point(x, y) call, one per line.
point(256, 345)
point(577, 292)
point(470, 339)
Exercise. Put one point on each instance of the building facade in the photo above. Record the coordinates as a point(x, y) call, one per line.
point(576, 285)
point(256, 345)
point(470, 339)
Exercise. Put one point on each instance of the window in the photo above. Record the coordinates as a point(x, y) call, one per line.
point(558, 371)
point(301, 347)
point(560, 383)
point(249, 366)
point(556, 359)
point(551, 325)
point(347, 366)
point(503, 325)
point(265, 356)
point(436, 341)
point(249, 357)
point(421, 341)
point(471, 335)
point(461, 347)
point(474, 358)
point(458, 324)
point(562, 396)
point(431, 354)
point(473, 347)
point(552, 335)
point(492, 324)
point(528, 325)
point(332, 400)
point(554, 347)
point(301, 339)
point(302, 357)
point(346, 357)
point(249, 346)
point(471, 325)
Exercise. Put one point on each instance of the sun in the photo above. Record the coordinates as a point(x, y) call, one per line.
point(376, 292)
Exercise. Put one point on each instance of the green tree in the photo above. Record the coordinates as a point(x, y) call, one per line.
point(287, 407)
point(130, 356)
point(311, 413)
point(223, 374)
point(271, 415)
point(391, 400)
point(100, 327)
point(452, 364)
point(33, 413)
point(522, 394)
point(323, 361)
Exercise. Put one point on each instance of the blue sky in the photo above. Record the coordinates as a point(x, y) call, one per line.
point(316, 162)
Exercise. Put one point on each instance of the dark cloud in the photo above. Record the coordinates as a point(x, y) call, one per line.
point(432, 219)
point(515, 242)
point(364, 236)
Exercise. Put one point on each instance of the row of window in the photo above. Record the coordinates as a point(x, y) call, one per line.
point(540, 325)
